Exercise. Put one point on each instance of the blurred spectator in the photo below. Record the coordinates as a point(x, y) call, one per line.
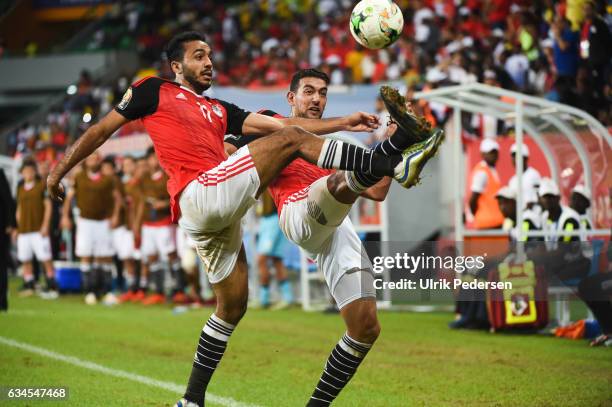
point(484, 186)
point(558, 218)
point(530, 182)
point(580, 201)
point(565, 48)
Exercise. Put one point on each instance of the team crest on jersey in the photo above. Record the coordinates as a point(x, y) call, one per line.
point(127, 96)
point(217, 110)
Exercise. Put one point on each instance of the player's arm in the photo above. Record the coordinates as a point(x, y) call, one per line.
point(44, 229)
point(259, 124)
point(138, 217)
point(17, 216)
point(474, 201)
point(479, 184)
point(93, 138)
point(140, 100)
point(67, 204)
point(379, 191)
point(117, 205)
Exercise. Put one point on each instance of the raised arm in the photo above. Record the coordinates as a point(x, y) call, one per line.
point(93, 138)
point(260, 125)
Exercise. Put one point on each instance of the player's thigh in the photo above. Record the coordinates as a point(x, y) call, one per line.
point(323, 206)
point(301, 228)
point(219, 251)
point(25, 250)
point(346, 267)
point(42, 247)
point(103, 239)
point(221, 196)
point(85, 237)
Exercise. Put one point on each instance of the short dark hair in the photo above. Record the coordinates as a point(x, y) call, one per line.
point(150, 151)
point(28, 162)
point(175, 50)
point(306, 73)
point(109, 160)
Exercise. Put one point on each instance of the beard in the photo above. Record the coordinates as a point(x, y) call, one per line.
point(192, 78)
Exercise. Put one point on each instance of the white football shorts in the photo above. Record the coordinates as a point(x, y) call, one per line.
point(212, 207)
point(314, 220)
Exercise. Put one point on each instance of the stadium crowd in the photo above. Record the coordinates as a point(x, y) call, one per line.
point(556, 49)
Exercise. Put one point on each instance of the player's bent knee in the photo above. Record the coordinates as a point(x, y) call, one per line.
point(369, 328)
point(232, 313)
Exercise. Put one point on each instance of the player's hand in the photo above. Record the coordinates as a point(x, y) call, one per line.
point(44, 231)
point(66, 223)
point(114, 222)
point(55, 189)
point(361, 121)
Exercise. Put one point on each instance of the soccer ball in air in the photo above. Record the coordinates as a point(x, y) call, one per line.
point(376, 24)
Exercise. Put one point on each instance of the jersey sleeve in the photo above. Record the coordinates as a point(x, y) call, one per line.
point(479, 182)
point(141, 99)
point(235, 118)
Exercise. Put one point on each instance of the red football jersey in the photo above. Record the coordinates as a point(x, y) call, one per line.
point(298, 175)
point(187, 129)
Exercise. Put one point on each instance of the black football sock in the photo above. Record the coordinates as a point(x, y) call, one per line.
point(157, 273)
point(394, 145)
point(211, 346)
point(339, 369)
point(344, 156)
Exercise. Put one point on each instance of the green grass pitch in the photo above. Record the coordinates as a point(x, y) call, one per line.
point(275, 359)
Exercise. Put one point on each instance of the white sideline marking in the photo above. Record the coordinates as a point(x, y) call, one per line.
point(173, 387)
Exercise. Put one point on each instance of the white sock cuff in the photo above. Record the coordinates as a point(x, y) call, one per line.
point(331, 154)
point(352, 182)
point(353, 347)
point(218, 328)
point(222, 322)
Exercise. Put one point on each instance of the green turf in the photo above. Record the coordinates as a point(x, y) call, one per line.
point(275, 359)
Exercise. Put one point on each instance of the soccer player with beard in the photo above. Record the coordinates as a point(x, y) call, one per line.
point(210, 192)
point(313, 205)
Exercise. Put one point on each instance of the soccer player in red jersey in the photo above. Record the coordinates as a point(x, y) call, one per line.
point(313, 205)
point(209, 191)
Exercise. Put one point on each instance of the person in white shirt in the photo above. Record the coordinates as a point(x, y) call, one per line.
point(530, 181)
point(559, 220)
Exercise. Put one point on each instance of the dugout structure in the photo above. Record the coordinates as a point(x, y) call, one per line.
point(576, 147)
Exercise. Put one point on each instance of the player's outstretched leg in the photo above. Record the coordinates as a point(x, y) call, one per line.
point(232, 297)
point(272, 153)
point(362, 331)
